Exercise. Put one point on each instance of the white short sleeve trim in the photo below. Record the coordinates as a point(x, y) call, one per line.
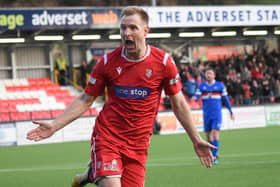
point(105, 59)
point(165, 59)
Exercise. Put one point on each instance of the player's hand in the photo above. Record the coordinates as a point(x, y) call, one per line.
point(43, 131)
point(203, 151)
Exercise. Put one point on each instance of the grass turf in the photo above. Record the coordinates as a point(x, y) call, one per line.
point(248, 158)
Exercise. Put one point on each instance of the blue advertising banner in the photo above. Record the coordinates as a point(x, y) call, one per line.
point(160, 17)
point(35, 19)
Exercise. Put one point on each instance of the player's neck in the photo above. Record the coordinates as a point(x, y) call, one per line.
point(210, 81)
point(137, 55)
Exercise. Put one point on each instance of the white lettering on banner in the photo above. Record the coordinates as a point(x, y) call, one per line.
point(198, 16)
point(59, 19)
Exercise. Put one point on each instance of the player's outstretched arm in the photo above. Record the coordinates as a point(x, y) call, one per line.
point(72, 112)
point(183, 113)
point(202, 149)
point(43, 131)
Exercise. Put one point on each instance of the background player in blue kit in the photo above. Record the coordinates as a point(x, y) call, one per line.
point(214, 95)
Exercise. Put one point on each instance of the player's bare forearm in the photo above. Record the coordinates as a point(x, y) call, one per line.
point(73, 111)
point(183, 113)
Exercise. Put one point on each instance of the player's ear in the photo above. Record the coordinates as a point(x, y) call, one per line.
point(146, 30)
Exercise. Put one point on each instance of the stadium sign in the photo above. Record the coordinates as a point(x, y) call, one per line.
point(272, 115)
point(160, 17)
point(57, 19)
point(35, 19)
point(209, 16)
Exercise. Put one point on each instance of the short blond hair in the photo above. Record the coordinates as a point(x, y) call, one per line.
point(131, 10)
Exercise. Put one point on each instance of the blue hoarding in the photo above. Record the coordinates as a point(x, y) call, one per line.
point(34, 19)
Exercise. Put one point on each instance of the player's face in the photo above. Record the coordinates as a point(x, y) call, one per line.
point(210, 75)
point(133, 32)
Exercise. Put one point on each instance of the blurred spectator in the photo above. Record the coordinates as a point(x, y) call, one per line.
point(256, 73)
point(246, 93)
point(277, 90)
point(232, 74)
point(183, 70)
point(229, 83)
point(267, 89)
point(83, 73)
point(91, 64)
point(277, 74)
point(190, 86)
point(61, 66)
point(256, 92)
point(246, 74)
point(238, 91)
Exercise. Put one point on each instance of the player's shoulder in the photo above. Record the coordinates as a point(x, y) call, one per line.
point(157, 52)
point(160, 56)
point(203, 84)
point(115, 54)
point(219, 83)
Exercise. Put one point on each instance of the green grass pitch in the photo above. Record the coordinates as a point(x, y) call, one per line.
point(248, 158)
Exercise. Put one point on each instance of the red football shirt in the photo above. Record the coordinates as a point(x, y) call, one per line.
point(134, 89)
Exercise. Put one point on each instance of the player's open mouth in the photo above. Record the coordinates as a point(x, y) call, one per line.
point(129, 44)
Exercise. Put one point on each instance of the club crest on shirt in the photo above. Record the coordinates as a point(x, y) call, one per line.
point(111, 166)
point(149, 73)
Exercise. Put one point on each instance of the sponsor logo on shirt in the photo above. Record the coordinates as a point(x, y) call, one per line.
point(92, 80)
point(132, 92)
point(175, 80)
point(111, 166)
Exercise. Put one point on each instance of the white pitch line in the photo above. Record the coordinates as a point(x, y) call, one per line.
point(46, 168)
point(244, 162)
point(152, 163)
point(55, 168)
point(223, 156)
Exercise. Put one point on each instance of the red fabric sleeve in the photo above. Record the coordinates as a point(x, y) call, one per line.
point(96, 83)
point(172, 82)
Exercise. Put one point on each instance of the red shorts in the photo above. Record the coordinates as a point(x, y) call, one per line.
point(113, 160)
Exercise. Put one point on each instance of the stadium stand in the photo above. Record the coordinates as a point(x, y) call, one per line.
point(33, 99)
point(251, 78)
point(40, 98)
